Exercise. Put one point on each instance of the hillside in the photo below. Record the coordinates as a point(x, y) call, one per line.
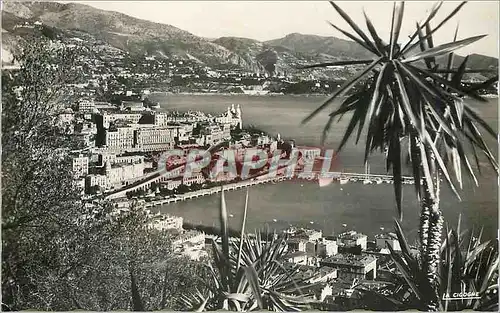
point(142, 37)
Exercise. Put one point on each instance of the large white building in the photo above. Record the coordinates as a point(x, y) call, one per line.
point(121, 173)
point(154, 138)
point(160, 119)
point(120, 138)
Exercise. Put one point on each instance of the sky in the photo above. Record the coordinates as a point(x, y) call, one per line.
point(266, 20)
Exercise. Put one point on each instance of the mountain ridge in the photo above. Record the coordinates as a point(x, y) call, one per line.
point(138, 36)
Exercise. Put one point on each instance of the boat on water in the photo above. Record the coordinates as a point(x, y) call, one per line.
point(275, 220)
point(378, 181)
point(155, 106)
point(343, 180)
point(324, 181)
point(231, 215)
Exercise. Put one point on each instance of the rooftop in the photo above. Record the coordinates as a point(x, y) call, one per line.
point(388, 236)
point(351, 235)
point(350, 259)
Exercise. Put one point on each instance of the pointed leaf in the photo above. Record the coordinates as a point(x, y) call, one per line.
point(345, 87)
point(430, 42)
point(455, 11)
point(441, 164)
point(432, 14)
point(395, 156)
point(474, 116)
point(240, 250)
point(447, 84)
point(457, 78)
point(354, 26)
point(397, 19)
point(484, 84)
point(451, 56)
point(424, 84)
point(443, 49)
point(353, 38)
point(424, 47)
point(379, 43)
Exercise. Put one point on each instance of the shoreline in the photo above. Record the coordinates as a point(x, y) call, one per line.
point(168, 93)
point(214, 190)
point(226, 94)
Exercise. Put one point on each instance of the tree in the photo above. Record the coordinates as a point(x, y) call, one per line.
point(59, 253)
point(423, 107)
point(40, 205)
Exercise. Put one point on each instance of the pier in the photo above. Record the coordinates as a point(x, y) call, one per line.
point(213, 190)
point(264, 178)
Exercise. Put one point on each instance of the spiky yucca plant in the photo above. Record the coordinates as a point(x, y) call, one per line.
point(248, 274)
point(466, 266)
point(400, 102)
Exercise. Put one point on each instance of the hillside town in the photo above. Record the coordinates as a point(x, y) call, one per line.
point(129, 152)
point(108, 70)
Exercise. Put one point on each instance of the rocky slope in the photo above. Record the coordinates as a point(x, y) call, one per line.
point(138, 36)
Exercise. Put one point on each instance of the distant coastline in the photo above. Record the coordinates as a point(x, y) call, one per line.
point(490, 96)
point(235, 94)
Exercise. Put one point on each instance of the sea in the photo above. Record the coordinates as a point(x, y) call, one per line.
point(335, 208)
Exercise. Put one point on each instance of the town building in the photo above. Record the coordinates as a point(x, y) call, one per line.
point(80, 165)
point(389, 238)
point(168, 222)
point(105, 119)
point(352, 266)
point(122, 173)
point(316, 292)
point(133, 106)
point(154, 138)
point(86, 106)
point(119, 138)
point(352, 239)
point(232, 116)
point(312, 274)
point(113, 158)
point(195, 178)
point(160, 119)
point(298, 257)
point(325, 248)
point(96, 180)
point(213, 134)
point(296, 244)
point(308, 234)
